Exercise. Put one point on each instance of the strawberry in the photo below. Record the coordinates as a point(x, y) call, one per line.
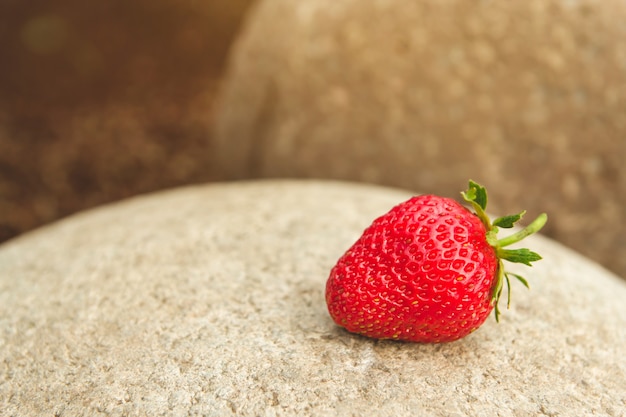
point(429, 270)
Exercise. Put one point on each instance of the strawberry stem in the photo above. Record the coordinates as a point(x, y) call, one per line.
point(476, 195)
point(532, 228)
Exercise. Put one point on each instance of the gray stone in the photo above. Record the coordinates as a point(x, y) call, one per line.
point(209, 300)
point(424, 95)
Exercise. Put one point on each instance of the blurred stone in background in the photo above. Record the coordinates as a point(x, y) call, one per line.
point(101, 101)
point(527, 98)
point(104, 100)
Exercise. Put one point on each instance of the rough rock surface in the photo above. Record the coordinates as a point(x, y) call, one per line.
point(424, 95)
point(208, 300)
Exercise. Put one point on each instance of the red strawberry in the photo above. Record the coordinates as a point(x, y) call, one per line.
point(429, 270)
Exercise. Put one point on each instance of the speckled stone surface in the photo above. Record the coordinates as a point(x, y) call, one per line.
point(208, 300)
point(424, 95)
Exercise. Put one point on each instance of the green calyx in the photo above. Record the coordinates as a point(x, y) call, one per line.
point(476, 195)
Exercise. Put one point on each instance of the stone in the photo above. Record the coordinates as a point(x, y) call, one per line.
point(209, 300)
point(527, 98)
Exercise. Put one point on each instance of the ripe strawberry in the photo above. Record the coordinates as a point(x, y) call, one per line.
point(429, 270)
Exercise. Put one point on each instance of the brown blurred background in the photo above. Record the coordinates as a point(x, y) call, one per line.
point(104, 100)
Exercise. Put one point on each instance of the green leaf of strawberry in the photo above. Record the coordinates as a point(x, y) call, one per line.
point(508, 221)
point(522, 256)
point(429, 270)
point(477, 196)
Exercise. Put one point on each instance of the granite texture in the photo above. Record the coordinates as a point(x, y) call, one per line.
point(208, 300)
point(526, 97)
